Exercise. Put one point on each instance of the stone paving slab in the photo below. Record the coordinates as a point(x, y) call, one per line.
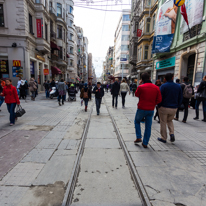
point(23, 174)
point(69, 144)
point(48, 144)
point(58, 168)
point(4, 132)
point(189, 146)
point(112, 185)
point(55, 135)
point(102, 143)
point(38, 155)
point(11, 195)
point(15, 145)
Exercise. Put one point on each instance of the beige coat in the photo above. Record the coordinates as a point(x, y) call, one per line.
point(32, 85)
point(124, 87)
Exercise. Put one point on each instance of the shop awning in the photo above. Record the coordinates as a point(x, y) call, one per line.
point(54, 46)
point(55, 70)
point(68, 56)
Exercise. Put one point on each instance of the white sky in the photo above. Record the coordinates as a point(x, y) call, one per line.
point(99, 26)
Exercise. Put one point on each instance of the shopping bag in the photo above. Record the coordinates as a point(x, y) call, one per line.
point(20, 111)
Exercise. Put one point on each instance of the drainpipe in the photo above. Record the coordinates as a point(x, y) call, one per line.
point(23, 54)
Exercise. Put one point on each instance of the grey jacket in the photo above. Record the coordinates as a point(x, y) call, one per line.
point(61, 87)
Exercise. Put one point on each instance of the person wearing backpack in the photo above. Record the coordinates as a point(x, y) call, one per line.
point(85, 95)
point(187, 91)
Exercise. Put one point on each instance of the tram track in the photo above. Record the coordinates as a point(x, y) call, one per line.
point(68, 197)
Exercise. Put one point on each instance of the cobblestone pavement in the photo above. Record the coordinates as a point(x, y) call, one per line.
point(38, 153)
point(172, 173)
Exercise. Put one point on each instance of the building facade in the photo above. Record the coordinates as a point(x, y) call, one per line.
point(143, 18)
point(187, 53)
point(121, 46)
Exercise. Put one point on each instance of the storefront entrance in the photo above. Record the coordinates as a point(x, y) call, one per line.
point(161, 73)
point(190, 69)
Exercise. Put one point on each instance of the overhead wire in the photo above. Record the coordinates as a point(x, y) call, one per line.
point(100, 5)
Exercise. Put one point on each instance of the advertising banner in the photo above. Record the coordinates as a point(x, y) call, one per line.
point(165, 27)
point(166, 63)
point(31, 67)
point(38, 28)
point(17, 71)
point(194, 10)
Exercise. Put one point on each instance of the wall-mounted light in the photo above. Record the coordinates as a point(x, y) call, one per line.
point(14, 45)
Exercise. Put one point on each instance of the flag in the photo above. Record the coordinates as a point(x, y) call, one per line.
point(184, 13)
point(139, 32)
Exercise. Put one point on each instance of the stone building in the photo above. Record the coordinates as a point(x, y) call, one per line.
point(187, 53)
point(143, 18)
point(90, 67)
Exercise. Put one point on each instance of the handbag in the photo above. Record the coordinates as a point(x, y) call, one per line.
point(201, 95)
point(20, 111)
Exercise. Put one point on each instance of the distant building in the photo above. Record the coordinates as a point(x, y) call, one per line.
point(121, 46)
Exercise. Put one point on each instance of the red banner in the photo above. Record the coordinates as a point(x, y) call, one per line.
point(139, 32)
point(46, 71)
point(38, 28)
point(184, 13)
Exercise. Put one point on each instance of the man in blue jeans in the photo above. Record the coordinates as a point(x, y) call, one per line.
point(99, 93)
point(149, 96)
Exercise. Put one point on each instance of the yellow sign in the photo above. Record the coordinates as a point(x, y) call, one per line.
point(85, 66)
point(16, 63)
point(40, 58)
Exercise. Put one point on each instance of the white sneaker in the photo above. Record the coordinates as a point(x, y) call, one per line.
point(11, 124)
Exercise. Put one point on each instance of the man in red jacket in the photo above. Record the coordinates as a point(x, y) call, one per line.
point(149, 96)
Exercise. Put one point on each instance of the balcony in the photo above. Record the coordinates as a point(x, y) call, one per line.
point(194, 31)
point(42, 45)
point(70, 69)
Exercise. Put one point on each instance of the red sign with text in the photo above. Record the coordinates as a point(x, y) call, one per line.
point(46, 71)
point(38, 28)
point(139, 32)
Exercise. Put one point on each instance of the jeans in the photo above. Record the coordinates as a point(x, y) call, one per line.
point(123, 94)
point(116, 100)
point(86, 102)
point(198, 104)
point(1, 100)
point(47, 93)
point(98, 104)
point(33, 94)
point(11, 109)
point(186, 104)
point(148, 124)
point(61, 97)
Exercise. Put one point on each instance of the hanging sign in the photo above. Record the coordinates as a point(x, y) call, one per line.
point(139, 32)
point(165, 27)
point(194, 10)
point(38, 28)
point(46, 71)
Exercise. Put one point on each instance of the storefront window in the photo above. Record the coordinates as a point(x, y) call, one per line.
point(32, 68)
point(4, 69)
point(1, 16)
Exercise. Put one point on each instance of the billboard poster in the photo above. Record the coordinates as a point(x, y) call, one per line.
point(4, 66)
point(194, 10)
point(31, 67)
point(165, 27)
point(17, 71)
point(38, 28)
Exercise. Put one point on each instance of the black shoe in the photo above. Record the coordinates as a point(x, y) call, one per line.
point(145, 146)
point(197, 115)
point(172, 137)
point(196, 118)
point(137, 141)
point(154, 117)
point(159, 122)
point(97, 113)
point(161, 140)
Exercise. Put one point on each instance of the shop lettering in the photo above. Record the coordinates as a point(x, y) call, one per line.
point(40, 58)
point(16, 63)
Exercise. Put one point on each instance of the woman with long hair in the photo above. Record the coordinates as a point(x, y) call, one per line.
point(11, 99)
point(157, 83)
point(85, 95)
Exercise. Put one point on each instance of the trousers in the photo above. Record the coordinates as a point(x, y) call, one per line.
point(11, 109)
point(166, 117)
point(114, 98)
point(98, 104)
point(123, 94)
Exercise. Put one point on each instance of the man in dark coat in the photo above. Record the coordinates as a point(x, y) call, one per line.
point(99, 93)
point(115, 92)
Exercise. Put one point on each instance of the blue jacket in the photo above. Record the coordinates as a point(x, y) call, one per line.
point(171, 95)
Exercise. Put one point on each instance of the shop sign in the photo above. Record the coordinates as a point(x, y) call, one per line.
point(38, 28)
point(16, 63)
point(4, 66)
point(165, 27)
point(31, 67)
point(123, 59)
point(40, 58)
point(166, 63)
point(17, 71)
point(46, 71)
point(194, 10)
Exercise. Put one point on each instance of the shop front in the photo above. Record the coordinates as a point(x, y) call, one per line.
point(165, 66)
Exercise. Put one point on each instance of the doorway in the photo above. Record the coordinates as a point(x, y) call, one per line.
point(190, 68)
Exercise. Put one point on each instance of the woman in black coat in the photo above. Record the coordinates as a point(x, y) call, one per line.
point(23, 88)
